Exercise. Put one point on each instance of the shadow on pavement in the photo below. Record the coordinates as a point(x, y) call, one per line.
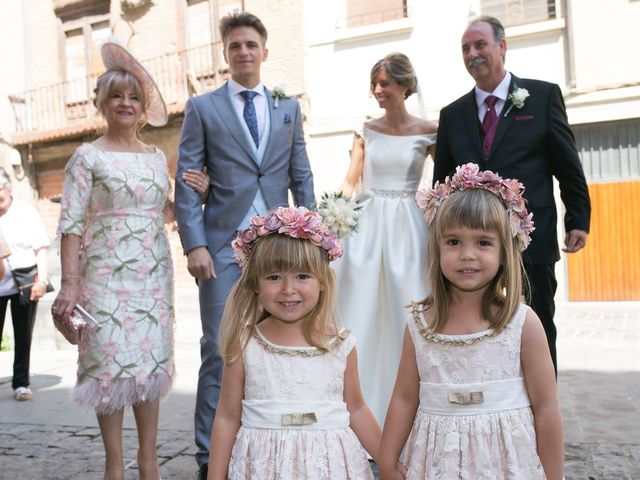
point(51, 438)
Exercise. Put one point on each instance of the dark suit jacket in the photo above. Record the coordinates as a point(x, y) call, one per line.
point(533, 144)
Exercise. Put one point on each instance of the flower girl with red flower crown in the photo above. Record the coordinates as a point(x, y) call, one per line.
point(290, 405)
point(476, 378)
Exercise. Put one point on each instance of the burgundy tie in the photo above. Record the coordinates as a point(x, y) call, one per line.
point(489, 124)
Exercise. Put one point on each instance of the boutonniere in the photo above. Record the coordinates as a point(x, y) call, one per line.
point(277, 93)
point(517, 97)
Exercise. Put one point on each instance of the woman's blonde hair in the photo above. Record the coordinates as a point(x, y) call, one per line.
point(243, 311)
point(117, 80)
point(477, 209)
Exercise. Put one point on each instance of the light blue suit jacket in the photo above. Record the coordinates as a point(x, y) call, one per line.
point(213, 136)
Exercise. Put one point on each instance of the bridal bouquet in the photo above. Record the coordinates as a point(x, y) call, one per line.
point(340, 213)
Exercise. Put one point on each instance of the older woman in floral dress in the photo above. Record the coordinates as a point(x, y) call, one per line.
point(116, 263)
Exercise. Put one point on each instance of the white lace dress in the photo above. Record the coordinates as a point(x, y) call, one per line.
point(294, 420)
point(474, 420)
point(383, 266)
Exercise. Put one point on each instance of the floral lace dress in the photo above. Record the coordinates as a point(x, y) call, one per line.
point(474, 420)
point(294, 420)
point(114, 202)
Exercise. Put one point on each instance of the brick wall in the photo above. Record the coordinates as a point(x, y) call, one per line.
point(149, 33)
point(50, 183)
point(283, 20)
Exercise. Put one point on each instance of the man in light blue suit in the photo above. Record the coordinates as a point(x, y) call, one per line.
point(253, 147)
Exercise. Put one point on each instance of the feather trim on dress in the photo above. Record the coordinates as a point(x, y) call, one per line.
point(109, 397)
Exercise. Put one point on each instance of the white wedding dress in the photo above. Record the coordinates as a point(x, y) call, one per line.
point(384, 264)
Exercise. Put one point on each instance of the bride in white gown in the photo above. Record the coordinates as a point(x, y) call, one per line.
point(383, 268)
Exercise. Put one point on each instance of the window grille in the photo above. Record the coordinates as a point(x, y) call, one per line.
point(609, 151)
point(519, 12)
point(369, 12)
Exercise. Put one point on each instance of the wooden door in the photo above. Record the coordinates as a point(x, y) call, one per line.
point(608, 268)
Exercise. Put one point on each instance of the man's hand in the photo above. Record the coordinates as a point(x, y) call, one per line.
point(574, 240)
point(200, 264)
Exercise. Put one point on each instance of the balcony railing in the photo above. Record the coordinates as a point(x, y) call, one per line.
point(179, 75)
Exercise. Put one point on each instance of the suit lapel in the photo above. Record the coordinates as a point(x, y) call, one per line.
point(470, 119)
point(505, 122)
point(223, 105)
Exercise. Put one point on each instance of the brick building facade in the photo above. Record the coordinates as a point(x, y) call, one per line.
point(175, 39)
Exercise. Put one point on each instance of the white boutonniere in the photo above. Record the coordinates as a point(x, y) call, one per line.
point(277, 93)
point(517, 98)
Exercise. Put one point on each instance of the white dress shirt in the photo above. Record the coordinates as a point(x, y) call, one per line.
point(501, 92)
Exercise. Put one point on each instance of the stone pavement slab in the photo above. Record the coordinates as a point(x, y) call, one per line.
point(599, 389)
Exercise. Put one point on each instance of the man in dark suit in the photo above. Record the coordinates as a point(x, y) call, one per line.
point(518, 128)
point(252, 143)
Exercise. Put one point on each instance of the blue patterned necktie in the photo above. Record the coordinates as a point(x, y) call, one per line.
point(249, 114)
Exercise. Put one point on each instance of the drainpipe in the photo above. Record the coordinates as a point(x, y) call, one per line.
point(27, 63)
point(27, 164)
point(570, 63)
point(214, 9)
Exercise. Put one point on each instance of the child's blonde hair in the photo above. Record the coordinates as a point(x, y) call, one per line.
point(278, 253)
point(477, 209)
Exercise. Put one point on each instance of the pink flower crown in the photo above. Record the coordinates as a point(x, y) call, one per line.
point(295, 222)
point(469, 176)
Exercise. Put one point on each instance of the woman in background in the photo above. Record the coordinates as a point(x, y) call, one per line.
point(27, 241)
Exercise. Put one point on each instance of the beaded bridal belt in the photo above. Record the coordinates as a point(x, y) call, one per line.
point(278, 415)
point(378, 192)
point(473, 398)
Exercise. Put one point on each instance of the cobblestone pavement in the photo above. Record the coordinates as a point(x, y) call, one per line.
point(599, 389)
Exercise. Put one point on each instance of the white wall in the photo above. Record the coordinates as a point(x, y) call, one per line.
point(606, 37)
point(339, 60)
point(607, 72)
point(589, 51)
point(14, 79)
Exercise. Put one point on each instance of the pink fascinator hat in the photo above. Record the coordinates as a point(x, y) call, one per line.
point(116, 57)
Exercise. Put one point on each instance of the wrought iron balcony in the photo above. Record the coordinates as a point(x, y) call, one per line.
point(66, 108)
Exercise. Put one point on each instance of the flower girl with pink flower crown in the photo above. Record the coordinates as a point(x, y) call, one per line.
point(290, 405)
point(475, 396)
